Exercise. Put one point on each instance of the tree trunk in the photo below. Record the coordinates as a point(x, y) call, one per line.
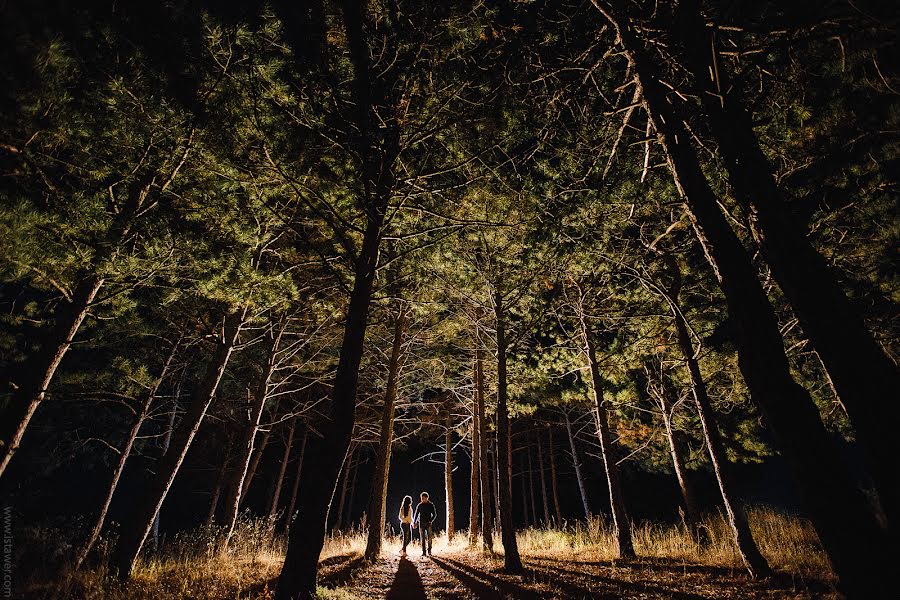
point(243, 473)
point(524, 495)
point(540, 453)
point(298, 575)
point(39, 370)
point(296, 488)
point(342, 499)
point(621, 523)
point(164, 449)
point(124, 453)
point(860, 370)
point(475, 477)
point(487, 535)
point(375, 515)
point(511, 561)
point(217, 490)
point(348, 518)
point(534, 515)
point(252, 469)
point(134, 530)
point(837, 508)
point(279, 481)
point(576, 462)
point(448, 474)
point(553, 483)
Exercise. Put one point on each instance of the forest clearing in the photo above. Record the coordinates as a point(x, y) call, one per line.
point(462, 299)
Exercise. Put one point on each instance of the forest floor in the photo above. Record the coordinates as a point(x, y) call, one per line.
point(465, 575)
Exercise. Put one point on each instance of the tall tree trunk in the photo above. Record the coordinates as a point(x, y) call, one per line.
point(860, 370)
point(621, 522)
point(475, 478)
point(691, 509)
point(540, 453)
point(375, 515)
point(164, 449)
point(293, 503)
point(351, 501)
point(298, 575)
point(511, 561)
point(124, 453)
point(342, 499)
point(534, 516)
point(243, 473)
point(38, 371)
point(253, 468)
point(576, 462)
point(557, 513)
point(487, 535)
point(217, 490)
point(495, 490)
point(135, 529)
point(279, 481)
point(837, 508)
point(448, 474)
point(524, 494)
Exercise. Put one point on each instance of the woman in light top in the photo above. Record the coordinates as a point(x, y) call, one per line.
point(406, 518)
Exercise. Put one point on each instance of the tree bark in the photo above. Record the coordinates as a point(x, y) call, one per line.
point(243, 473)
point(553, 482)
point(124, 453)
point(375, 515)
point(258, 454)
point(342, 499)
point(164, 449)
point(279, 481)
point(540, 453)
point(298, 575)
point(134, 530)
point(448, 474)
point(534, 515)
point(217, 490)
point(293, 503)
point(475, 477)
point(691, 510)
point(576, 462)
point(39, 370)
point(487, 534)
point(512, 563)
point(837, 508)
point(860, 370)
point(621, 522)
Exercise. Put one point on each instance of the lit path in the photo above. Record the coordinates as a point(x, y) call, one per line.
point(464, 575)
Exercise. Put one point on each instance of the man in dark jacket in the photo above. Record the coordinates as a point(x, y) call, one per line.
point(425, 516)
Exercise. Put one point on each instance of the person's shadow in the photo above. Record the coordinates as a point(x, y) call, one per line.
point(407, 584)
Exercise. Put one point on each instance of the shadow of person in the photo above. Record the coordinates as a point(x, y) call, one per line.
point(407, 584)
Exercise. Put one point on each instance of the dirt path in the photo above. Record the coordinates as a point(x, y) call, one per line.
point(464, 576)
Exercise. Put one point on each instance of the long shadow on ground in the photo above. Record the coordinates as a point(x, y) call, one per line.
point(407, 584)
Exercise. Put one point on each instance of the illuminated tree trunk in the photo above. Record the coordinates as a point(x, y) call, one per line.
point(576, 462)
point(553, 482)
point(237, 487)
point(621, 522)
point(339, 515)
point(540, 453)
point(279, 481)
point(253, 467)
point(860, 370)
point(124, 453)
point(837, 508)
point(487, 535)
point(475, 476)
point(375, 514)
point(448, 474)
point(511, 561)
point(39, 370)
point(293, 503)
point(135, 529)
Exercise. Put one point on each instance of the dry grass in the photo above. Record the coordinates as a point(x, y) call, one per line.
point(194, 566)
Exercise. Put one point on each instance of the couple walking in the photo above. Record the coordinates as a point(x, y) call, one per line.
point(422, 517)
